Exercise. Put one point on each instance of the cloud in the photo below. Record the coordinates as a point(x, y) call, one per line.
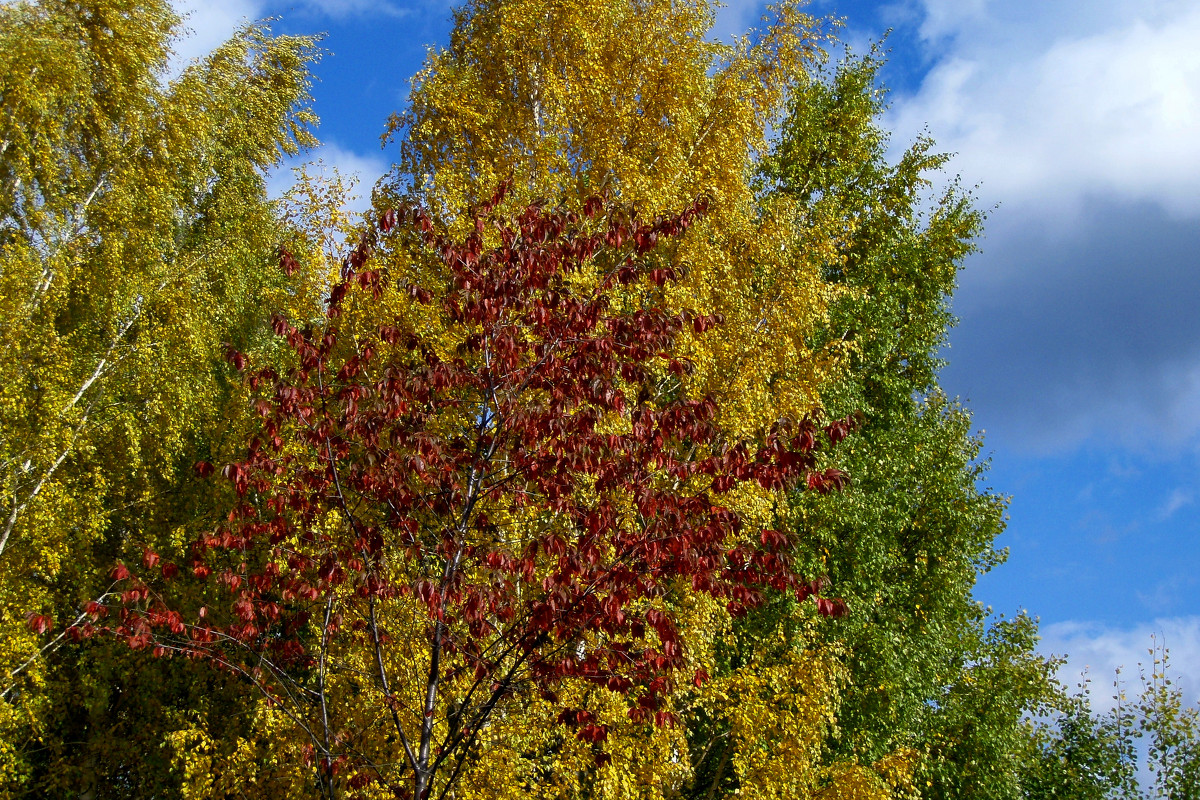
point(342, 9)
point(1178, 499)
point(1088, 331)
point(944, 17)
point(734, 18)
point(1113, 113)
point(206, 24)
point(1082, 120)
point(359, 171)
point(1101, 650)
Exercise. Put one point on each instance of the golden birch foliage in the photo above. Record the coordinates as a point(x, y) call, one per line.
point(628, 97)
point(778, 716)
point(266, 762)
point(769, 723)
point(135, 238)
point(527, 753)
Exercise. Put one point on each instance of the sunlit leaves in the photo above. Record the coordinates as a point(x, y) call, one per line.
point(912, 533)
point(135, 237)
point(523, 505)
point(631, 99)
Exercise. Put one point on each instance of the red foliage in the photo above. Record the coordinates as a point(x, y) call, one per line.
point(538, 488)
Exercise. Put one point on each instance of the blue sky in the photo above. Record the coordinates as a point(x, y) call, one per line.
point(1079, 342)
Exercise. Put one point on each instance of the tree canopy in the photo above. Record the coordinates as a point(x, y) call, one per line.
point(632, 478)
point(135, 239)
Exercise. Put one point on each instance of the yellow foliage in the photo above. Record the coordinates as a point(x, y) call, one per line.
point(528, 754)
point(135, 238)
point(628, 98)
point(573, 98)
point(135, 241)
point(267, 764)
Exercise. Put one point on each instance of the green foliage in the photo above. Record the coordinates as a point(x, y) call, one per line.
point(135, 239)
point(1172, 731)
point(1077, 752)
point(1075, 755)
point(976, 733)
point(905, 544)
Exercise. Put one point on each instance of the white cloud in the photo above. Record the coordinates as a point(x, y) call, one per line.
point(943, 17)
point(1046, 108)
point(734, 18)
point(1101, 650)
point(360, 172)
point(340, 9)
point(206, 24)
point(1082, 121)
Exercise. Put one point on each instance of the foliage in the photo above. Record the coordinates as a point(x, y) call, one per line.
point(1172, 730)
point(632, 98)
point(619, 614)
point(906, 542)
point(1077, 755)
point(135, 237)
point(572, 87)
point(977, 737)
point(1083, 753)
point(497, 489)
point(586, 97)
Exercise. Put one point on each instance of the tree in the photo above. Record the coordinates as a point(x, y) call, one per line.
point(631, 97)
point(905, 544)
point(1172, 729)
point(1078, 755)
point(498, 489)
point(833, 290)
point(1083, 753)
point(578, 98)
point(135, 237)
point(561, 94)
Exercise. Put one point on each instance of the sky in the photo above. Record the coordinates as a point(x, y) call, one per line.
point(1078, 345)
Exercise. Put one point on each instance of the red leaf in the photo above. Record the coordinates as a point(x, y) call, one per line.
point(615, 481)
point(387, 221)
point(287, 262)
point(238, 360)
point(592, 733)
point(828, 607)
point(835, 478)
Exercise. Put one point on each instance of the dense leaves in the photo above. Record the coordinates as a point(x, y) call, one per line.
point(573, 99)
point(907, 542)
point(523, 492)
point(535, 502)
point(1081, 751)
point(135, 237)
